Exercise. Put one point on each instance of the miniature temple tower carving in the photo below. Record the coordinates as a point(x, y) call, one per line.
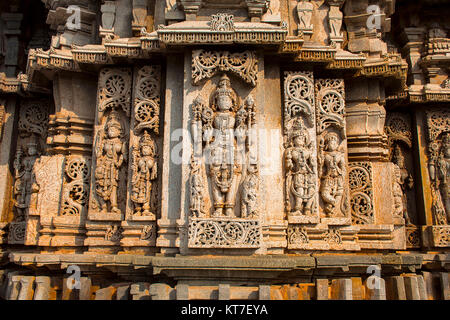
point(305, 11)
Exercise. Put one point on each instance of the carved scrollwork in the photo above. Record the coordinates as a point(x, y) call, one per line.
point(205, 64)
point(330, 103)
point(113, 233)
point(222, 22)
point(16, 232)
point(441, 236)
point(333, 236)
point(34, 118)
point(115, 89)
point(147, 99)
point(413, 237)
point(398, 128)
point(76, 187)
point(361, 193)
point(297, 235)
point(148, 232)
point(298, 97)
point(222, 233)
point(438, 121)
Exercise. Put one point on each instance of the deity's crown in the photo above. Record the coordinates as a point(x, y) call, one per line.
point(298, 128)
point(224, 90)
point(114, 120)
point(331, 136)
point(32, 143)
point(146, 139)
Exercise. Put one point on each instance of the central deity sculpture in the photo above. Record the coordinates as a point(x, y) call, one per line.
point(111, 153)
point(224, 165)
point(301, 168)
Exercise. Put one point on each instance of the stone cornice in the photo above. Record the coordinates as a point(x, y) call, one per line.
point(200, 32)
point(19, 85)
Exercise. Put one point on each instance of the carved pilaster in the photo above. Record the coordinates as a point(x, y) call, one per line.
point(30, 183)
point(398, 130)
point(335, 17)
point(256, 8)
point(332, 154)
point(301, 196)
point(304, 12)
point(190, 8)
point(139, 15)
point(107, 200)
point(143, 166)
point(106, 30)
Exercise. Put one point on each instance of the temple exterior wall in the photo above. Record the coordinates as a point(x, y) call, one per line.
point(179, 149)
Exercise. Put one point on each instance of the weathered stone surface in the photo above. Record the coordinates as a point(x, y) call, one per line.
point(395, 288)
point(237, 150)
point(445, 286)
point(341, 289)
point(42, 291)
point(105, 293)
point(412, 288)
point(322, 289)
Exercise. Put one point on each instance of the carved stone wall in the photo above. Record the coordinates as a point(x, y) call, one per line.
point(232, 149)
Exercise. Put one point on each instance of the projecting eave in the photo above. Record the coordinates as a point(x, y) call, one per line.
point(200, 32)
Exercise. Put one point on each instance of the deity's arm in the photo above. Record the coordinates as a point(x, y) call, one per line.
point(34, 187)
point(154, 171)
point(134, 166)
point(207, 120)
point(341, 163)
point(123, 154)
point(311, 162)
point(18, 163)
point(99, 144)
point(288, 160)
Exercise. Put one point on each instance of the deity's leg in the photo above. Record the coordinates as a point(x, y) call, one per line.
point(113, 199)
point(103, 205)
point(231, 196)
point(218, 202)
point(146, 205)
point(446, 199)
